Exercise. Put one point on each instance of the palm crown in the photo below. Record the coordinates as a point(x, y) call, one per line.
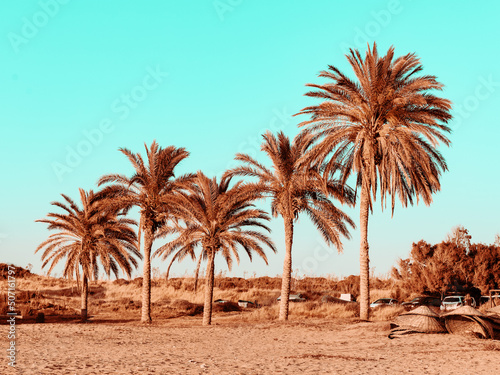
point(295, 187)
point(89, 235)
point(386, 124)
point(150, 184)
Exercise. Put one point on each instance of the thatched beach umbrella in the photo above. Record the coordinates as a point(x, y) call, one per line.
point(422, 310)
point(465, 310)
point(419, 320)
point(466, 320)
point(495, 310)
point(494, 319)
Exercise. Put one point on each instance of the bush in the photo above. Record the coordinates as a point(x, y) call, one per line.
point(226, 307)
point(121, 282)
point(189, 308)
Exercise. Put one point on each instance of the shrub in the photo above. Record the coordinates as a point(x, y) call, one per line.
point(190, 309)
point(226, 307)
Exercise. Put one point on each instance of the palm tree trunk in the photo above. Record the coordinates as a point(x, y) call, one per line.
point(364, 260)
point(139, 235)
point(146, 277)
point(209, 289)
point(287, 270)
point(85, 296)
point(197, 273)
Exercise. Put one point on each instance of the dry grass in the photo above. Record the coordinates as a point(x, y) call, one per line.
point(386, 313)
point(121, 299)
point(324, 310)
point(376, 294)
point(305, 310)
point(171, 298)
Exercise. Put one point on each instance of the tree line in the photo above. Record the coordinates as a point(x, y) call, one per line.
point(380, 131)
point(455, 265)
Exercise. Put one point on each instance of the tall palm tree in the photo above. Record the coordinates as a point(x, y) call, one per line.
point(295, 187)
point(384, 127)
point(219, 218)
point(149, 189)
point(86, 237)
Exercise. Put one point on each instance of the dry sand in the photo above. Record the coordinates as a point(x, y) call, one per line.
point(183, 346)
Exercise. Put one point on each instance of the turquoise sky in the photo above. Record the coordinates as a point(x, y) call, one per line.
point(79, 79)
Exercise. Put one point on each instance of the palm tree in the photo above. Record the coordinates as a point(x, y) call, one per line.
point(149, 189)
point(86, 237)
point(219, 219)
point(385, 128)
point(297, 187)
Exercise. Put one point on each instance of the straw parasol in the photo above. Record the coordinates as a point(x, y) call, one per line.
point(420, 323)
point(465, 310)
point(422, 310)
point(466, 320)
point(495, 310)
point(419, 320)
point(494, 319)
point(469, 326)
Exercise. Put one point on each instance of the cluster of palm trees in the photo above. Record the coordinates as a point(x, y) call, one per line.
point(383, 128)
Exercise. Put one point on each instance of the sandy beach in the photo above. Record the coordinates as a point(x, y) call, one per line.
point(183, 346)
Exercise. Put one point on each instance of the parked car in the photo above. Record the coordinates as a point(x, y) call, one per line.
point(454, 302)
point(422, 301)
point(293, 298)
point(381, 302)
